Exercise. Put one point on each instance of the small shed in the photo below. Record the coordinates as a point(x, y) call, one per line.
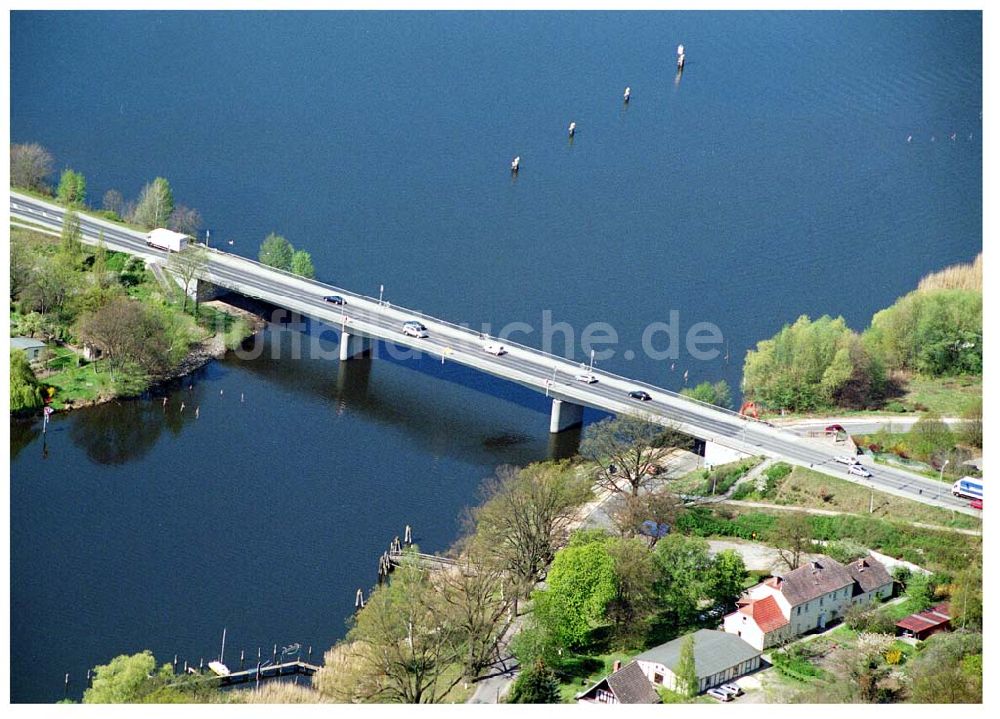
point(923, 624)
point(31, 347)
point(627, 685)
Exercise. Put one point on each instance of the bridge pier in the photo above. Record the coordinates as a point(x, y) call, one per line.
point(205, 291)
point(565, 415)
point(352, 346)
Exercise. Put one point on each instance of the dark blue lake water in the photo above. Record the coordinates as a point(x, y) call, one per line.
point(803, 163)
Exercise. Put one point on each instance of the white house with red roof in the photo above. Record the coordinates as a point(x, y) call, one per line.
point(807, 598)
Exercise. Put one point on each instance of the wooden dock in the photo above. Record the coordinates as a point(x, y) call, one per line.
point(262, 673)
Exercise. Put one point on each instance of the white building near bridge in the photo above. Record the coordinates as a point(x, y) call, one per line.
point(810, 597)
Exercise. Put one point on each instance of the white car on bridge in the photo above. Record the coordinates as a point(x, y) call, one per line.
point(414, 329)
point(586, 377)
point(494, 348)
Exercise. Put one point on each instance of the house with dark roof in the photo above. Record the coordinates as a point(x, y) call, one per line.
point(625, 685)
point(718, 658)
point(807, 598)
point(923, 624)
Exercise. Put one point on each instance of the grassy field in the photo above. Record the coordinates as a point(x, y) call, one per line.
point(808, 488)
point(948, 396)
point(72, 381)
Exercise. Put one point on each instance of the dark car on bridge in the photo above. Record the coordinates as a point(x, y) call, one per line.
point(639, 395)
point(334, 299)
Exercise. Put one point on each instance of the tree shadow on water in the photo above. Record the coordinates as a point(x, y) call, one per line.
point(118, 432)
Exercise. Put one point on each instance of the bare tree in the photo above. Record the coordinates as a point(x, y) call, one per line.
point(631, 511)
point(185, 219)
point(479, 601)
point(114, 202)
point(625, 448)
point(188, 264)
point(792, 537)
point(525, 515)
point(126, 334)
point(29, 166)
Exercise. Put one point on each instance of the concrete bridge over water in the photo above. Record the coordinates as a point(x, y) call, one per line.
point(363, 320)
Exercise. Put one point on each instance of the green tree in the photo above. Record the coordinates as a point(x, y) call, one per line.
point(536, 684)
point(100, 267)
point(625, 448)
point(726, 577)
point(22, 264)
point(972, 427)
point(948, 669)
point(687, 673)
point(811, 365)
point(936, 332)
point(718, 394)
point(929, 436)
point(401, 649)
point(302, 264)
point(967, 598)
point(25, 393)
point(581, 584)
point(277, 252)
point(72, 190)
point(70, 238)
point(920, 592)
point(684, 566)
point(126, 680)
point(635, 599)
point(155, 205)
point(30, 165)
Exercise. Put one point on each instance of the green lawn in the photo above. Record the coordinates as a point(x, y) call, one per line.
point(71, 381)
point(948, 396)
point(808, 488)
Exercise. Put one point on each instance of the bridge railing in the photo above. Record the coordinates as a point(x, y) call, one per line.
point(472, 334)
point(464, 329)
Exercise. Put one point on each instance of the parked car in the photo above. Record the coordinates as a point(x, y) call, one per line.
point(414, 329)
point(858, 470)
point(976, 504)
point(844, 459)
point(733, 689)
point(586, 377)
point(640, 395)
point(495, 348)
point(717, 693)
point(334, 299)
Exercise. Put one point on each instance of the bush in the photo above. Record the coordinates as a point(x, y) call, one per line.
point(845, 550)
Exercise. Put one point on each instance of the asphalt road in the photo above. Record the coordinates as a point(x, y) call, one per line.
point(554, 376)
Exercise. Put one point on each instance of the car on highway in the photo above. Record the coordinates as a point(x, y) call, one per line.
point(494, 348)
point(414, 329)
point(717, 693)
point(334, 299)
point(586, 377)
point(731, 689)
point(858, 470)
point(639, 395)
point(844, 459)
point(976, 504)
